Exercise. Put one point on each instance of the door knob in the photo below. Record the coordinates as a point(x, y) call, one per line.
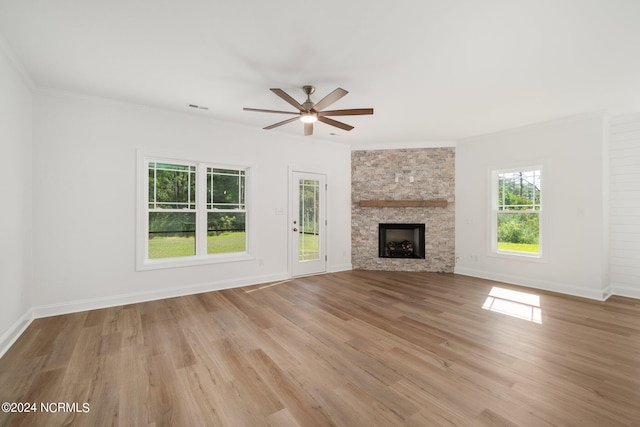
point(295, 229)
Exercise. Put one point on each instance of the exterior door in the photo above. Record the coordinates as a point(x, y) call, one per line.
point(308, 224)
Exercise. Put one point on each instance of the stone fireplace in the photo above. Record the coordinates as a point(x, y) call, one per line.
point(403, 186)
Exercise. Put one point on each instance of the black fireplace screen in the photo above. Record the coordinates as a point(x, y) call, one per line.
point(401, 240)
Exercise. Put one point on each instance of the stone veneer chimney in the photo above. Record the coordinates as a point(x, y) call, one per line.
point(403, 174)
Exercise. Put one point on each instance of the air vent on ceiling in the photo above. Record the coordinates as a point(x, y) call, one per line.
point(199, 107)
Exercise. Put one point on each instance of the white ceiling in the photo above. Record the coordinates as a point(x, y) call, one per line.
point(433, 70)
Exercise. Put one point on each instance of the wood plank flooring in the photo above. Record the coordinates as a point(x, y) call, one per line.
point(355, 348)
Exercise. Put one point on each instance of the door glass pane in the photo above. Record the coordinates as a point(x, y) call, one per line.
point(309, 235)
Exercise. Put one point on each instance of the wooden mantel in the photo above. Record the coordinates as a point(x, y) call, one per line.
point(402, 203)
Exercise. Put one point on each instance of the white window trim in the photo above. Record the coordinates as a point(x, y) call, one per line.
point(143, 263)
point(492, 241)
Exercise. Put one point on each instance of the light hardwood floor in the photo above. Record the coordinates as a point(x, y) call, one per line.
point(355, 348)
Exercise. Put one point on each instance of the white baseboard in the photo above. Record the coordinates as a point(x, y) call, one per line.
point(625, 290)
point(340, 267)
point(606, 293)
point(137, 297)
point(562, 288)
point(14, 332)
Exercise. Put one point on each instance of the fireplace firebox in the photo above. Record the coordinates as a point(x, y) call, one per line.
point(401, 241)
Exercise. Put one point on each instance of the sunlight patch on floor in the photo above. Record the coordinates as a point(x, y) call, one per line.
point(522, 305)
point(267, 286)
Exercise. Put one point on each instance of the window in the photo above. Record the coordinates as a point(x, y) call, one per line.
point(193, 213)
point(172, 210)
point(516, 211)
point(226, 211)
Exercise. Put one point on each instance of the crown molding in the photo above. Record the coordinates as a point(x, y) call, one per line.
point(401, 145)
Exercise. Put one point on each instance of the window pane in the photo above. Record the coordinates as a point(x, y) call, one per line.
point(172, 186)
point(519, 232)
point(519, 190)
point(225, 189)
point(226, 232)
point(172, 234)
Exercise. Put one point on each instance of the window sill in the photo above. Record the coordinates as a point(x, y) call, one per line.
point(157, 264)
point(519, 256)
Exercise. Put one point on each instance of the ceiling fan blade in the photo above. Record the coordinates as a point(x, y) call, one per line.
point(308, 129)
point(334, 123)
point(350, 112)
point(260, 110)
point(329, 99)
point(284, 122)
point(284, 95)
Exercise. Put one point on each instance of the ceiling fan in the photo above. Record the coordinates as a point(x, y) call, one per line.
point(309, 113)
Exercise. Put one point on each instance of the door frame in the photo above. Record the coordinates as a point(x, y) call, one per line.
point(293, 210)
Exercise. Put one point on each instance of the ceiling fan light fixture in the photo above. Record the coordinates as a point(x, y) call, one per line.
point(308, 117)
point(310, 112)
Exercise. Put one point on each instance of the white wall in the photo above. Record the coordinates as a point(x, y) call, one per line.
point(85, 200)
point(15, 196)
point(575, 233)
point(624, 149)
